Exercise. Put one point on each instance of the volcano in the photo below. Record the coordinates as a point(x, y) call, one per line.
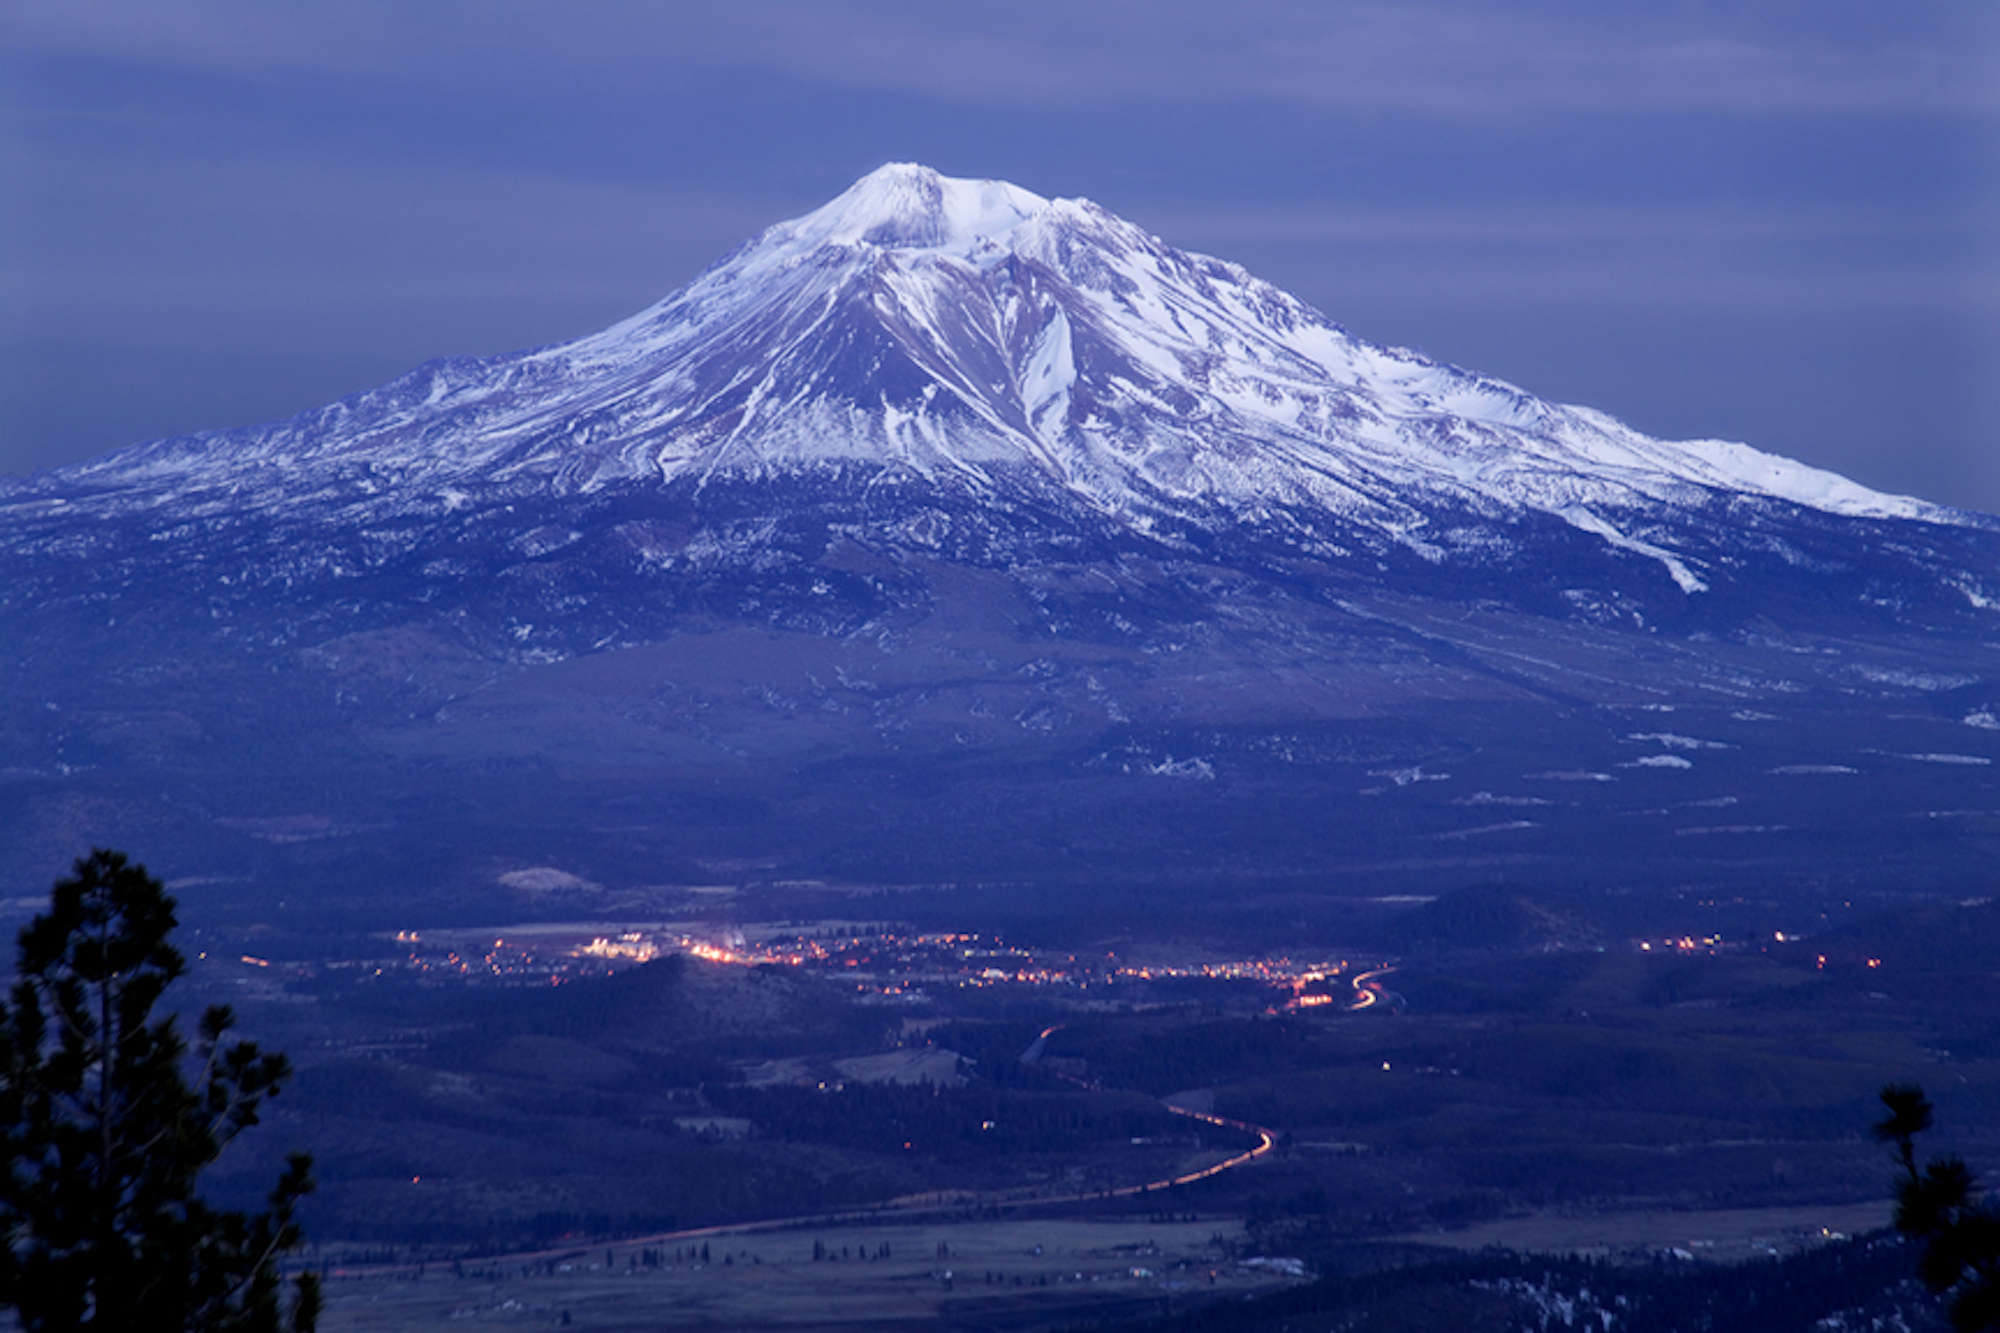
point(953, 535)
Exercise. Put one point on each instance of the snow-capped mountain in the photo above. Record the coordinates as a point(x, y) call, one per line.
point(968, 486)
point(976, 337)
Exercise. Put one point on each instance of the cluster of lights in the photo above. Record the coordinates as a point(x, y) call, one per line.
point(1685, 944)
point(1280, 971)
point(880, 961)
point(899, 965)
point(498, 962)
point(1819, 962)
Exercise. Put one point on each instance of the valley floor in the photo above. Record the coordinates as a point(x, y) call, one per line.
point(986, 1274)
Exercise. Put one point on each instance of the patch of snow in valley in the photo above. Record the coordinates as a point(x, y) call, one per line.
point(1976, 595)
point(1677, 742)
point(546, 879)
point(1483, 829)
point(1404, 777)
point(1685, 578)
point(1490, 798)
point(1197, 769)
point(1658, 761)
point(1904, 678)
point(1937, 758)
point(1713, 829)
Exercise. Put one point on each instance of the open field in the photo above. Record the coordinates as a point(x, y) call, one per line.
point(1721, 1235)
point(988, 1274)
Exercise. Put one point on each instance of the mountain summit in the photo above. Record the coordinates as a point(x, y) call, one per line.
point(935, 529)
point(907, 206)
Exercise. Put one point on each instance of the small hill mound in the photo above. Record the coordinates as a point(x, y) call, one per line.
point(1488, 916)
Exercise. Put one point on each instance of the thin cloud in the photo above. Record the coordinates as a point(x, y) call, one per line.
point(265, 242)
point(1323, 223)
point(1441, 59)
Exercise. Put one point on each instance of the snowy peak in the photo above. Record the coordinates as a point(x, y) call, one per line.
point(906, 206)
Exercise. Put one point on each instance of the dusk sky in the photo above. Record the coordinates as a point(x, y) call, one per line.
point(1775, 222)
